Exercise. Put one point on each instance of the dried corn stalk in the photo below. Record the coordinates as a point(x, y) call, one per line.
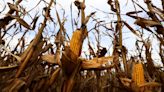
point(138, 74)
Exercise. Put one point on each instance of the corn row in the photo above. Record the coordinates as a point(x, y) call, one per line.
point(138, 74)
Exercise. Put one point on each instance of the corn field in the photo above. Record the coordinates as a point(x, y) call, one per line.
point(50, 57)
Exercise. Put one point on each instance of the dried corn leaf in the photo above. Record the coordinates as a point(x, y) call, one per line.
point(91, 51)
point(151, 84)
point(68, 85)
point(102, 62)
point(8, 67)
point(150, 87)
point(126, 81)
point(132, 30)
point(133, 12)
point(88, 17)
point(79, 5)
point(49, 58)
point(9, 51)
point(54, 76)
point(13, 7)
point(25, 53)
point(33, 54)
point(24, 62)
point(34, 22)
point(68, 64)
point(21, 21)
point(146, 22)
point(57, 57)
point(60, 38)
point(47, 47)
point(16, 85)
point(160, 14)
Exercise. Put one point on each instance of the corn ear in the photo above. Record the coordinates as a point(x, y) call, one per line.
point(77, 41)
point(138, 74)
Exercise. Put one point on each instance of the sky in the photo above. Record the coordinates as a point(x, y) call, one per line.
point(91, 6)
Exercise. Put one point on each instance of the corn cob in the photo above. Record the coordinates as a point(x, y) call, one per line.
point(72, 52)
point(138, 74)
point(77, 41)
